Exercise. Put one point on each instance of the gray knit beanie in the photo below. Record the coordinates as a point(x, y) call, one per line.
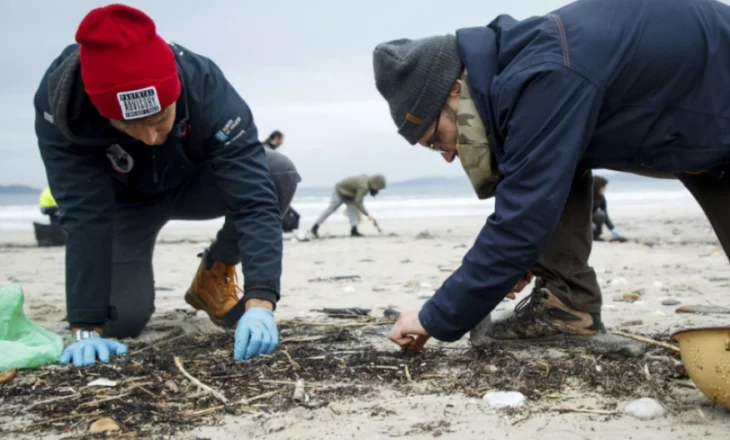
point(415, 77)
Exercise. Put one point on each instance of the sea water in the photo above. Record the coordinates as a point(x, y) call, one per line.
point(414, 199)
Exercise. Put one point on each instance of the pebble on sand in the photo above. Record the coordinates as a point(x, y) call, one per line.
point(502, 399)
point(104, 424)
point(671, 302)
point(645, 409)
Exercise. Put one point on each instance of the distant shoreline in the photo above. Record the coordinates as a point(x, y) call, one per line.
point(18, 189)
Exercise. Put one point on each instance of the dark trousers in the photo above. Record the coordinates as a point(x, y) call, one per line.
point(599, 219)
point(139, 219)
point(563, 267)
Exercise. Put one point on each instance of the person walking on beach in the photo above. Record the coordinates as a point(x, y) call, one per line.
point(600, 211)
point(275, 140)
point(351, 192)
point(133, 132)
point(529, 108)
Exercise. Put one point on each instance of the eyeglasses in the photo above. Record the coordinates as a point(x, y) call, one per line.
point(434, 137)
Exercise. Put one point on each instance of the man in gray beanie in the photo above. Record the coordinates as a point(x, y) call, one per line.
point(530, 108)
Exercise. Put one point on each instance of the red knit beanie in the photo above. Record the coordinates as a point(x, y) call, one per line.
point(129, 72)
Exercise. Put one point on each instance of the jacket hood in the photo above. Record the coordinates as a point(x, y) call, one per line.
point(66, 98)
point(377, 182)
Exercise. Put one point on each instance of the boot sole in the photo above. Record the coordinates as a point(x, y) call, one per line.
point(196, 303)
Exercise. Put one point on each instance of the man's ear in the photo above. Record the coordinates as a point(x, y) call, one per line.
point(456, 89)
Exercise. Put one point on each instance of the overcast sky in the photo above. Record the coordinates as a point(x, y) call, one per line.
point(304, 67)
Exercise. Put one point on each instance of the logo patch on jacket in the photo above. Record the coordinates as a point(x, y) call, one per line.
point(122, 162)
point(140, 103)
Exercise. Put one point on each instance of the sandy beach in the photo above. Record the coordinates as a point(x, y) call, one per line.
point(672, 253)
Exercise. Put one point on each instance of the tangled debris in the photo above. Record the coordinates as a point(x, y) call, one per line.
point(314, 365)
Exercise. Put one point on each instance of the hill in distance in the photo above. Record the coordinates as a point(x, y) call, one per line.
point(18, 189)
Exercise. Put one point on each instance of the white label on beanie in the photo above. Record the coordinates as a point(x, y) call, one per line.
point(140, 103)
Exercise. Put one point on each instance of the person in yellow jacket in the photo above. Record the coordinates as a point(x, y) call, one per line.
point(48, 206)
point(351, 192)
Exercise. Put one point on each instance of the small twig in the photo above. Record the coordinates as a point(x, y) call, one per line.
point(278, 382)
point(544, 365)
point(55, 399)
point(96, 402)
point(518, 421)
point(293, 363)
point(646, 340)
point(58, 419)
point(586, 411)
point(243, 402)
point(163, 342)
point(304, 339)
point(337, 324)
point(383, 367)
point(200, 384)
point(259, 397)
point(408, 374)
point(147, 391)
point(432, 376)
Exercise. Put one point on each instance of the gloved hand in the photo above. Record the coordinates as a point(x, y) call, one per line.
point(85, 351)
point(256, 334)
point(615, 233)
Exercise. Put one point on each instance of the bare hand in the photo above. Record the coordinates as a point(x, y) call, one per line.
point(527, 279)
point(408, 332)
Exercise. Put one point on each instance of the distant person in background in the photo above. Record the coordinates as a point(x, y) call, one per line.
point(275, 140)
point(49, 206)
point(600, 211)
point(351, 192)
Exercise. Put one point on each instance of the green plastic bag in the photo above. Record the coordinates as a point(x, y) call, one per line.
point(23, 344)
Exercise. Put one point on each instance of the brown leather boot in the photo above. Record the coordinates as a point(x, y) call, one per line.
point(214, 288)
point(542, 315)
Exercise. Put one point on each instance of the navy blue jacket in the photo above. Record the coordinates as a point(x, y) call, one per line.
point(214, 127)
point(595, 84)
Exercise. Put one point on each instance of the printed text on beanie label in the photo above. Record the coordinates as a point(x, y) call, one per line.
point(140, 103)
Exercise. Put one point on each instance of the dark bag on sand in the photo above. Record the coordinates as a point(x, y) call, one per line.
point(49, 235)
point(290, 221)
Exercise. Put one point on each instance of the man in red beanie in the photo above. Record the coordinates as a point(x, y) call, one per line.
point(134, 132)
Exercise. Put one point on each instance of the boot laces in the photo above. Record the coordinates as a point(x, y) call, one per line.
point(227, 280)
point(529, 303)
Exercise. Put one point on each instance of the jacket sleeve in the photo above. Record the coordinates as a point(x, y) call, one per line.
point(359, 200)
point(548, 118)
point(608, 221)
point(242, 172)
point(82, 185)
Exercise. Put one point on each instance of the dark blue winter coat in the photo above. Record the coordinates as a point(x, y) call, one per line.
point(86, 162)
point(595, 84)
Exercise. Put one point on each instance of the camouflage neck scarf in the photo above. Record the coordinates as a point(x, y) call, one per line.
point(472, 145)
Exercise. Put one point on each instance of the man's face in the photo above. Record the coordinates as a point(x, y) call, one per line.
point(152, 130)
point(442, 134)
point(277, 141)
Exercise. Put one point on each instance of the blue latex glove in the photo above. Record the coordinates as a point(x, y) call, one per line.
point(84, 352)
point(615, 233)
point(256, 334)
